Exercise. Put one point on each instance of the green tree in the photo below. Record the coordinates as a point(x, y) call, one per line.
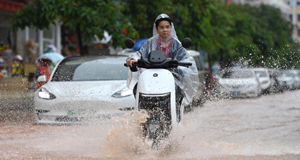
point(142, 14)
point(271, 36)
point(86, 17)
point(194, 19)
point(213, 26)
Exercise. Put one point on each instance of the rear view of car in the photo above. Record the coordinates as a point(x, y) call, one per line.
point(200, 97)
point(287, 80)
point(263, 78)
point(296, 77)
point(276, 87)
point(238, 83)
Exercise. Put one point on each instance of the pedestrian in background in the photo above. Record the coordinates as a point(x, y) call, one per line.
point(44, 68)
point(17, 66)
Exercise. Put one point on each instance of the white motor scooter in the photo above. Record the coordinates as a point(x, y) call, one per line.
point(156, 93)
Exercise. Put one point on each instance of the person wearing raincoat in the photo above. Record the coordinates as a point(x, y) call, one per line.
point(165, 39)
point(17, 66)
point(44, 68)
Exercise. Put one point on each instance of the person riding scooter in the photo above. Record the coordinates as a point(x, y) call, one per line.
point(165, 39)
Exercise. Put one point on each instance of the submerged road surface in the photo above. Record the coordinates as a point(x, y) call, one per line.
point(267, 127)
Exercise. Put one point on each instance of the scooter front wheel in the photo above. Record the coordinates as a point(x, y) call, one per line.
point(156, 129)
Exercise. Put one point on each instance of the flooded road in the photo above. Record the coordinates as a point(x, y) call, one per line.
point(267, 127)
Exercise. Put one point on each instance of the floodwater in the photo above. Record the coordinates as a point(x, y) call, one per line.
point(267, 127)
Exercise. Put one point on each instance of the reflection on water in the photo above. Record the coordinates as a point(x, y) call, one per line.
point(267, 126)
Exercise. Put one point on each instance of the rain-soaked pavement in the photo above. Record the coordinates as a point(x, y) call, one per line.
point(267, 127)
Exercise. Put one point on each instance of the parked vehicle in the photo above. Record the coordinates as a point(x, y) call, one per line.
point(238, 83)
point(82, 88)
point(126, 52)
point(275, 84)
point(200, 97)
point(263, 78)
point(287, 80)
point(297, 78)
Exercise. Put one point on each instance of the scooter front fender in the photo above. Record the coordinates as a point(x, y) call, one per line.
point(157, 82)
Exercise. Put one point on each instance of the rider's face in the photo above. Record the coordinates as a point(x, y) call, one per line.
point(164, 29)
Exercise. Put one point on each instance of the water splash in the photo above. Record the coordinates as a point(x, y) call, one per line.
point(126, 139)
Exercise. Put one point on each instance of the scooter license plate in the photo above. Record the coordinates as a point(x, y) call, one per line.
point(234, 93)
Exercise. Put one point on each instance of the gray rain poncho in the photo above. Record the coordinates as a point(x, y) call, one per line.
point(189, 81)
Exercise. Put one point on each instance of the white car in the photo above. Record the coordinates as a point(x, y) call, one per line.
point(126, 52)
point(82, 88)
point(287, 80)
point(238, 83)
point(297, 77)
point(263, 78)
point(200, 95)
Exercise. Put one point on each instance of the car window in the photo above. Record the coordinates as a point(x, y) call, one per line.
point(238, 74)
point(91, 70)
point(261, 73)
point(288, 74)
point(198, 63)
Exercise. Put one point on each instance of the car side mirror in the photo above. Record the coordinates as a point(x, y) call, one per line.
point(42, 78)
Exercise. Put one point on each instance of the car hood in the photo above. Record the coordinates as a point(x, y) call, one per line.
point(87, 89)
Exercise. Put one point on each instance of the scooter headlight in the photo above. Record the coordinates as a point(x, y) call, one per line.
point(125, 92)
point(44, 94)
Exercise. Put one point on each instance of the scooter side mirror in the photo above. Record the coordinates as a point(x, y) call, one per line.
point(186, 42)
point(129, 43)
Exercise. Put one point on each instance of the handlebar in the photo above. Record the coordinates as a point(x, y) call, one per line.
point(133, 68)
point(184, 64)
point(133, 64)
point(165, 65)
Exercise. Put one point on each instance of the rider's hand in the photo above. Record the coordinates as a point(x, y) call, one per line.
point(130, 62)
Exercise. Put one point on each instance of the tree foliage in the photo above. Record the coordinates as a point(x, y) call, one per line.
point(142, 14)
point(271, 36)
point(87, 17)
point(228, 33)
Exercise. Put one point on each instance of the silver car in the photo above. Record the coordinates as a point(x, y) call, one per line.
point(263, 78)
point(238, 83)
point(200, 97)
point(83, 88)
point(288, 80)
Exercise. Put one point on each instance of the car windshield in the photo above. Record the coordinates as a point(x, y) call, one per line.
point(277, 73)
point(91, 69)
point(261, 73)
point(288, 74)
point(238, 74)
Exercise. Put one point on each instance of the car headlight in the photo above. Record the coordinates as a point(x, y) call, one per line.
point(125, 92)
point(44, 94)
